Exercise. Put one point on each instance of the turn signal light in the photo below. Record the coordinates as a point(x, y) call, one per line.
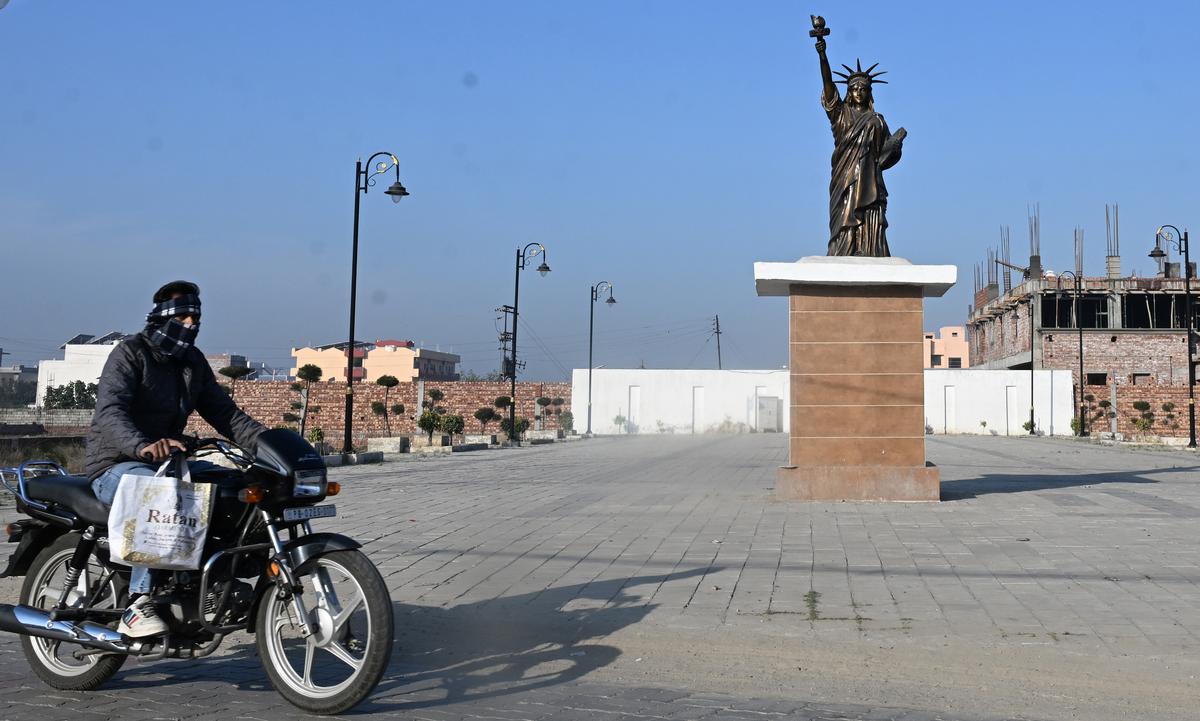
point(10, 529)
point(274, 569)
point(333, 488)
point(253, 494)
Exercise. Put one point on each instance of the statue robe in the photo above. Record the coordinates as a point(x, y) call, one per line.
point(862, 150)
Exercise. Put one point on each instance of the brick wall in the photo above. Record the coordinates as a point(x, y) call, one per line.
point(1121, 354)
point(1156, 395)
point(267, 401)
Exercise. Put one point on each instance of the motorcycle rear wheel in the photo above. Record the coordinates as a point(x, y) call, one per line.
point(52, 661)
point(351, 616)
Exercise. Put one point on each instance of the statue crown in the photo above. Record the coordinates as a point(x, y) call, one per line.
point(859, 75)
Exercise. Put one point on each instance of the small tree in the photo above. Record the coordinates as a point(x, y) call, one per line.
point(429, 422)
point(316, 436)
point(452, 425)
point(619, 422)
point(233, 373)
point(502, 402)
point(307, 375)
point(1145, 418)
point(566, 421)
point(542, 404)
point(522, 426)
point(388, 383)
point(435, 397)
point(485, 415)
point(1169, 420)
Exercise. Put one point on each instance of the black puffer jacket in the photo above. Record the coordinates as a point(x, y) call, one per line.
point(145, 395)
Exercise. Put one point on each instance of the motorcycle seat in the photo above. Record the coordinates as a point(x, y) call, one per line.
point(73, 493)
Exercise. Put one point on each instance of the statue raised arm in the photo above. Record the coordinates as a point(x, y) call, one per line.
point(819, 31)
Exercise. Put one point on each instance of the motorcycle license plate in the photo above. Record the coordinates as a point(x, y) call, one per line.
point(303, 513)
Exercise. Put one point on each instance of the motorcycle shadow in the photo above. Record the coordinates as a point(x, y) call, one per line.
point(510, 644)
point(469, 652)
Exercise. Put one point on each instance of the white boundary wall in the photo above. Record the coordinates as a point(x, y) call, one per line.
point(996, 402)
point(676, 401)
point(705, 401)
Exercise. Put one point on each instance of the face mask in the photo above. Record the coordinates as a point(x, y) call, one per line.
point(173, 338)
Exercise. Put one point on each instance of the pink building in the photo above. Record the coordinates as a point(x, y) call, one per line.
point(948, 351)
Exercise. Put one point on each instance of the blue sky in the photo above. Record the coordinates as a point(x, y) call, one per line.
point(663, 146)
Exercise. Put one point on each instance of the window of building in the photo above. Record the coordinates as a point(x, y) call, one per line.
point(935, 361)
point(1139, 379)
point(956, 362)
point(1096, 379)
point(1058, 310)
point(954, 334)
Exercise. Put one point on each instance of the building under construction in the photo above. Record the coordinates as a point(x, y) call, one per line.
point(1134, 330)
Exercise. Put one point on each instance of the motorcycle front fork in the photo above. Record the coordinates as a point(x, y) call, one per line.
point(285, 577)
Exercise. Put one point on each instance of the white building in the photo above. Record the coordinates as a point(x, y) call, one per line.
point(84, 357)
point(988, 402)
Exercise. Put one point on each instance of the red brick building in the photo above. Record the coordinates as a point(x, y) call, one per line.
point(1133, 333)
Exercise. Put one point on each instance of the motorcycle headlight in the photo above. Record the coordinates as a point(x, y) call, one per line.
point(309, 484)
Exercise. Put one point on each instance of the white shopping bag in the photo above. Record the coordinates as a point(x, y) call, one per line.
point(160, 521)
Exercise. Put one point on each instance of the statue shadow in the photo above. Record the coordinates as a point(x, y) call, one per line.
point(1020, 483)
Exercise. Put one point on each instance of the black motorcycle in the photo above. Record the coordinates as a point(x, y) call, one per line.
point(317, 606)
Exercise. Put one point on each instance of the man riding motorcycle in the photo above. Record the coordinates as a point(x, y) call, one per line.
point(151, 383)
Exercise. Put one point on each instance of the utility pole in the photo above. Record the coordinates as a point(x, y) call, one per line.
point(2, 354)
point(717, 333)
point(505, 340)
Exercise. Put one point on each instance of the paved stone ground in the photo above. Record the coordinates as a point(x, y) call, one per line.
point(647, 578)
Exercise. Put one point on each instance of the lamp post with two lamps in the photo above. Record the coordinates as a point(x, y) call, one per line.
point(1078, 290)
point(597, 289)
point(364, 179)
point(1180, 241)
point(524, 255)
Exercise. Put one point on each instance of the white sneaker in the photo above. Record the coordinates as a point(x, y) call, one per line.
point(141, 619)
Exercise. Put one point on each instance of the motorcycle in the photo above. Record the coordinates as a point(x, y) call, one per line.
point(318, 608)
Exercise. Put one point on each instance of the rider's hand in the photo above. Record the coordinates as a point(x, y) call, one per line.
point(161, 449)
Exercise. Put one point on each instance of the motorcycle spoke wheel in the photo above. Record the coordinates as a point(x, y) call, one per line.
point(350, 619)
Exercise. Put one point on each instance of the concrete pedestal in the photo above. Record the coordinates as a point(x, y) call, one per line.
point(857, 377)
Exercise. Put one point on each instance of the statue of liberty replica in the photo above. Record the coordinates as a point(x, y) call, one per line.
point(863, 148)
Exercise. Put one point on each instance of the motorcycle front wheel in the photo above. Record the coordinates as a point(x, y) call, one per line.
point(350, 615)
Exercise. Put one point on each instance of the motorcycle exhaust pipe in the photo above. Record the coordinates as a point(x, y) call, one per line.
point(30, 621)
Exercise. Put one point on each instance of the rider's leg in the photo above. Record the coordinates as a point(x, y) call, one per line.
point(140, 618)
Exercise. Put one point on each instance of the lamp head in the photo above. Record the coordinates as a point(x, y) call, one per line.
point(397, 191)
point(611, 300)
point(543, 268)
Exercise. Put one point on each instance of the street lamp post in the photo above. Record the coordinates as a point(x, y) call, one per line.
point(1180, 241)
point(1032, 358)
point(597, 289)
point(524, 255)
point(364, 178)
point(1078, 290)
